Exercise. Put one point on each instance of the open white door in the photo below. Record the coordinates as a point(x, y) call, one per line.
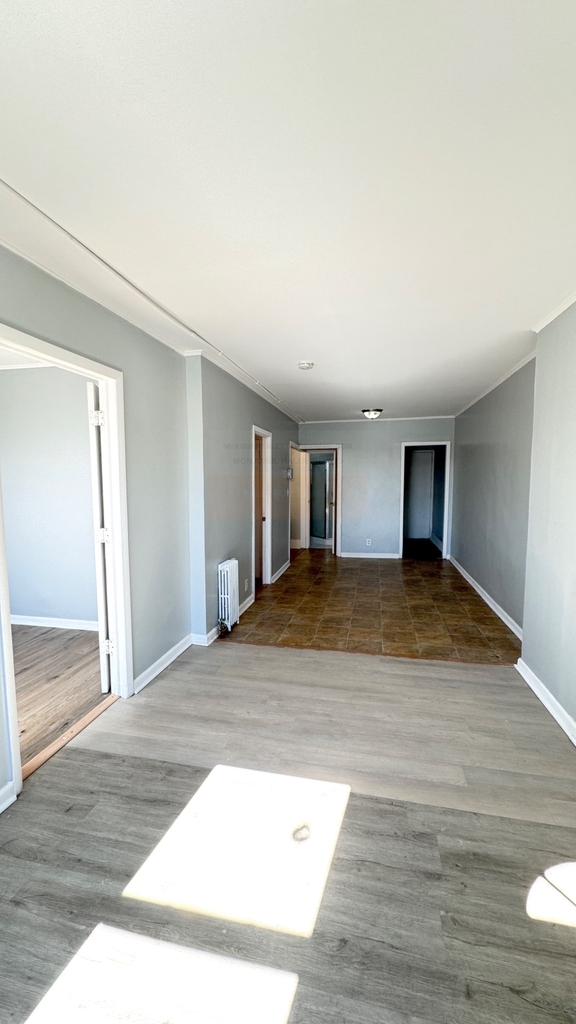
point(101, 536)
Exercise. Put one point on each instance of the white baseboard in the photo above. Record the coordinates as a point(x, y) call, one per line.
point(370, 554)
point(154, 670)
point(436, 541)
point(246, 604)
point(7, 796)
point(35, 620)
point(278, 574)
point(507, 619)
point(295, 544)
point(565, 721)
point(204, 639)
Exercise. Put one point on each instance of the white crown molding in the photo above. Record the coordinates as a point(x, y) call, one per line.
point(509, 373)
point(381, 419)
point(33, 235)
point(555, 312)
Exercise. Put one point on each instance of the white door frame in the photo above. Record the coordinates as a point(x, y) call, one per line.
point(266, 505)
point(447, 493)
point(337, 449)
point(110, 383)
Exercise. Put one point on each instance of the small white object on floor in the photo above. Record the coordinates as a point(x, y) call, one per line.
point(117, 977)
point(250, 846)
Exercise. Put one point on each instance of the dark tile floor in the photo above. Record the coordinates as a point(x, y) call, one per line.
point(407, 608)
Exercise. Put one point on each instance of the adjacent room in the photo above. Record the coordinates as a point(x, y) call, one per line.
point(287, 480)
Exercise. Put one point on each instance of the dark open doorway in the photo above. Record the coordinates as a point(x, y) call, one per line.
point(424, 505)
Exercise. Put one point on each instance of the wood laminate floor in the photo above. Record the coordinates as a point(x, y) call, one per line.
point(407, 608)
point(463, 792)
point(57, 682)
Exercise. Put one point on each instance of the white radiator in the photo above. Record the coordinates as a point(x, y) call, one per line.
point(228, 594)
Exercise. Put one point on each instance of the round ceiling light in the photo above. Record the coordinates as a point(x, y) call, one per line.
point(371, 414)
point(304, 365)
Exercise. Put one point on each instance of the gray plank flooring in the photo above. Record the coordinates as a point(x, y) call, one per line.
point(423, 919)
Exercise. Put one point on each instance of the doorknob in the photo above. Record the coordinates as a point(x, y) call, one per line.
point(263, 519)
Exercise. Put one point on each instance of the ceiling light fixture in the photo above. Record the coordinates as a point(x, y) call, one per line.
point(371, 414)
point(303, 365)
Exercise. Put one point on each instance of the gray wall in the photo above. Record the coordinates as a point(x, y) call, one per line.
point(229, 410)
point(549, 646)
point(156, 441)
point(371, 475)
point(46, 485)
point(493, 441)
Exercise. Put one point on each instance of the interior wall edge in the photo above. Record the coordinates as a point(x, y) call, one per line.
point(7, 796)
point(154, 670)
point(558, 712)
point(507, 619)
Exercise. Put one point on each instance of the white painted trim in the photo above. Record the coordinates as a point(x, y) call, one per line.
point(26, 366)
point(266, 505)
point(509, 373)
point(154, 670)
point(445, 546)
point(555, 312)
point(282, 569)
point(337, 449)
point(561, 716)
point(506, 619)
point(110, 383)
point(7, 796)
point(371, 554)
point(381, 419)
point(204, 639)
point(436, 541)
point(246, 604)
point(8, 705)
point(49, 623)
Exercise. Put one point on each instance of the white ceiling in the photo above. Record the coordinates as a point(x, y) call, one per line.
point(385, 188)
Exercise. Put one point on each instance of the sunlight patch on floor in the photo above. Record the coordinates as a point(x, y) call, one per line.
point(250, 846)
point(553, 897)
point(117, 977)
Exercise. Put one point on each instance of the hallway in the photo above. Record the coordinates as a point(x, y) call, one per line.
point(404, 608)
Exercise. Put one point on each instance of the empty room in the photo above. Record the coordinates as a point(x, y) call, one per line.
point(287, 546)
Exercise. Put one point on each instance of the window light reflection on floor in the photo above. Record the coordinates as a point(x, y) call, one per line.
point(121, 978)
point(250, 846)
point(553, 897)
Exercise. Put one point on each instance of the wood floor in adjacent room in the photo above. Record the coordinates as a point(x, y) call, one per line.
point(57, 682)
point(408, 608)
point(463, 793)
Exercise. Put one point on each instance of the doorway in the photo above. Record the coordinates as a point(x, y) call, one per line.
point(66, 634)
point(261, 508)
point(424, 507)
point(322, 500)
point(299, 499)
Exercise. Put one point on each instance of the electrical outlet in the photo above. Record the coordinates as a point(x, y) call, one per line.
point(368, 542)
point(245, 585)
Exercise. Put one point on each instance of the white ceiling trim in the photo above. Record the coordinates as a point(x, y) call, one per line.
point(510, 373)
point(60, 235)
point(556, 312)
point(382, 419)
point(26, 366)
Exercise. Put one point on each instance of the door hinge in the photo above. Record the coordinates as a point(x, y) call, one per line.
point(96, 418)
point(104, 535)
point(108, 647)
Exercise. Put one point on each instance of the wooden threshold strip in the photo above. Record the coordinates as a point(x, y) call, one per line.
point(56, 745)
